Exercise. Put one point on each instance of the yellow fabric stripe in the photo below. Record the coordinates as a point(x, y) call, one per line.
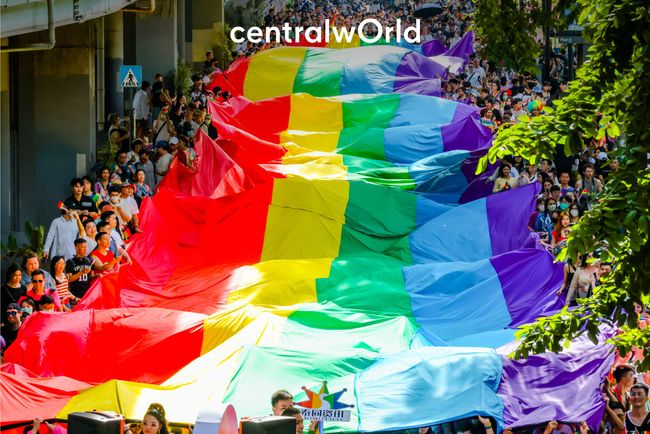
point(273, 72)
point(356, 42)
point(314, 123)
point(305, 219)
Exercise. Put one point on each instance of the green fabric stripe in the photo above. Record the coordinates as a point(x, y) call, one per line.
point(362, 142)
point(378, 219)
point(370, 111)
point(319, 67)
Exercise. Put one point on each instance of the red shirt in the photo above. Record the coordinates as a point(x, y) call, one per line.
point(103, 258)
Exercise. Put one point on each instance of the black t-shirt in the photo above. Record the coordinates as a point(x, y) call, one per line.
point(156, 91)
point(79, 287)
point(86, 203)
point(11, 295)
point(631, 428)
point(8, 334)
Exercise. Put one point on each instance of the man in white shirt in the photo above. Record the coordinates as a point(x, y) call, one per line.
point(164, 160)
point(60, 238)
point(141, 107)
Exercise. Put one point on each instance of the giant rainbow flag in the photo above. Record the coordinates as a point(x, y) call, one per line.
point(321, 238)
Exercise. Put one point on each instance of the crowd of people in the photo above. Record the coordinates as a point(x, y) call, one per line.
point(89, 238)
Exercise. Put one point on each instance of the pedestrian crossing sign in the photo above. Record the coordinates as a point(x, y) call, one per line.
point(131, 75)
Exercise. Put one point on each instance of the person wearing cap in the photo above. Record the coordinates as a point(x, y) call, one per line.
point(208, 127)
point(12, 323)
point(129, 207)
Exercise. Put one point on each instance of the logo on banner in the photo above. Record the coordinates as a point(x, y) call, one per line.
point(325, 406)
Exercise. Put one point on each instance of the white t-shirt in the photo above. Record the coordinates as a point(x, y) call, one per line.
point(129, 206)
point(163, 163)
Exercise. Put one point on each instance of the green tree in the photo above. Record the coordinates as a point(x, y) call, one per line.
point(614, 81)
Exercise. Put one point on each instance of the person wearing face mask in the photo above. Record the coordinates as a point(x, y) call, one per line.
point(544, 222)
point(584, 280)
point(574, 213)
point(27, 307)
point(46, 304)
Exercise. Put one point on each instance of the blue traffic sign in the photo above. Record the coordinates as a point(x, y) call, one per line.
point(131, 75)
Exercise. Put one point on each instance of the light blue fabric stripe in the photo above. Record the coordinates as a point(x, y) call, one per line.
point(490, 339)
point(454, 299)
point(441, 175)
point(461, 234)
point(428, 386)
point(370, 69)
point(423, 110)
point(409, 143)
point(426, 209)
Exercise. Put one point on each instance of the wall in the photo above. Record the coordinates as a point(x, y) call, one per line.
point(5, 146)
point(55, 136)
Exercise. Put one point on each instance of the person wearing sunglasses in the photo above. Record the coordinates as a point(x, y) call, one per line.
point(39, 289)
point(12, 323)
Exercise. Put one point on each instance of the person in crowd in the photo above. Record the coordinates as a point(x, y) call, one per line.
point(164, 162)
point(614, 418)
point(637, 420)
point(46, 304)
point(142, 190)
point(30, 264)
point(88, 189)
point(122, 169)
point(133, 155)
point(565, 179)
point(103, 182)
point(574, 213)
point(141, 105)
point(12, 289)
point(118, 137)
point(103, 259)
point(84, 205)
point(163, 129)
point(87, 231)
point(27, 307)
point(50, 428)
point(57, 270)
point(157, 102)
point(11, 323)
point(78, 270)
point(208, 127)
point(624, 378)
point(296, 414)
point(280, 401)
point(504, 181)
point(154, 421)
point(61, 235)
point(569, 270)
point(562, 228)
point(128, 215)
point(588, 185)
point(584, 280)
point(39, 289)
point(149, 170)
point(545, 221)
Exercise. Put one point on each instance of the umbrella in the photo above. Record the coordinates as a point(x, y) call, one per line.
point(428, 10)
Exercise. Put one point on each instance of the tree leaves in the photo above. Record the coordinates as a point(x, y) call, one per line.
point(614, 81)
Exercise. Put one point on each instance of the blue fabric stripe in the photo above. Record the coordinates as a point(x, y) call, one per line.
point(408, 143)
point(450, 300)
point(441, 175)
point(429, 386)
point(461, 234)
point(371, 70)
point(424, 110)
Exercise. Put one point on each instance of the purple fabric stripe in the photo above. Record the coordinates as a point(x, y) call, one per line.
point(415, 73)
point(529, 279)
point(463, 48)
point(563, 387)
point(508, 213)
point(479, 185)
point(467, 133)
point(433, 48)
